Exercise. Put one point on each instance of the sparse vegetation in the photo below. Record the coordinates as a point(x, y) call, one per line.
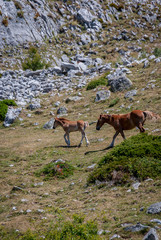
point(20, 14)
point(5, 21)
point(138, 157)
point(18, 5)
point(98, 82)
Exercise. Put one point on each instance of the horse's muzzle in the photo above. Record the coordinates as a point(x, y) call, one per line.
point(53, 127)
point(97, 128)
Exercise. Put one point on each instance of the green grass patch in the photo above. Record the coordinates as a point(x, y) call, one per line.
point(4, 107)
point(138, 157)
point(56, 169)
point(114, 102)
point(98, 82)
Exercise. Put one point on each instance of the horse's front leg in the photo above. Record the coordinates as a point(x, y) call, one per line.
point(68, 142)
point(114, 137)
point(65, 138)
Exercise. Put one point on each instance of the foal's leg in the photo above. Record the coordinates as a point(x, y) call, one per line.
point(114, 137)
point(87, 142)
point(83, 135)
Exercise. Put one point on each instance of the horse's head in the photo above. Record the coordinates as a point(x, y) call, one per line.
point(100, 122)
point(56, 123)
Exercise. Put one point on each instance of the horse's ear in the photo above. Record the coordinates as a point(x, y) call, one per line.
point(100, 116)
point(112, 119)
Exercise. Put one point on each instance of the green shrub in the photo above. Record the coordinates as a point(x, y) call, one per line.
point(138, 157)
point(3, 110)
point(114, 102)
point(34, 61)
point(157, 52)
point(9, 102)
point(4, 107)
point(58, 170)
point(98, 82)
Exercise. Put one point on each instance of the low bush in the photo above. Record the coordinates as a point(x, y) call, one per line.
point(4, 107)
point(138, 157)
point(98, 82)
point(56, 169)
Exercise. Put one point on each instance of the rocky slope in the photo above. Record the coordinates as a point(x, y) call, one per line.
point(79, 39)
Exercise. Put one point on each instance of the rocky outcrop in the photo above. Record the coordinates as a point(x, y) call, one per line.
point(26, 21)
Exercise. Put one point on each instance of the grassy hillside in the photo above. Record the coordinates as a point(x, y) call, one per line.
point(31, 202)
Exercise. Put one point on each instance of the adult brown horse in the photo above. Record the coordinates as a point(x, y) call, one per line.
point(72, 126)
point(128, 121)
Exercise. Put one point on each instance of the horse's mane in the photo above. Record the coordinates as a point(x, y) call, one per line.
point(62, 119)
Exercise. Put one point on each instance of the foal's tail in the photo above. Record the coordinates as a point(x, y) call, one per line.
point(151, 115)
point(86, 124)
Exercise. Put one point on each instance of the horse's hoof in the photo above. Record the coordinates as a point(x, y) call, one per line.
point(79, 145)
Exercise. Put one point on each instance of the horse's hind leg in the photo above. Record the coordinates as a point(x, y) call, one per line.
point(122, 134)
point(140, 126)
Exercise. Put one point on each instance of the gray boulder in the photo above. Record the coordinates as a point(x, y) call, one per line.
point(151, 235)
point(34, 106)
point(154, 208)
point(130, 94)
point(85, 17)
point(11, 115)
point(65, 66)
point(49, 124)
point(62, 110)
point(118, 81)
point(102, 95)
point(136, 228)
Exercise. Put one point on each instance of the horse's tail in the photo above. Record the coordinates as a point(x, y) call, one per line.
point(150, 115)
point(86, 124)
